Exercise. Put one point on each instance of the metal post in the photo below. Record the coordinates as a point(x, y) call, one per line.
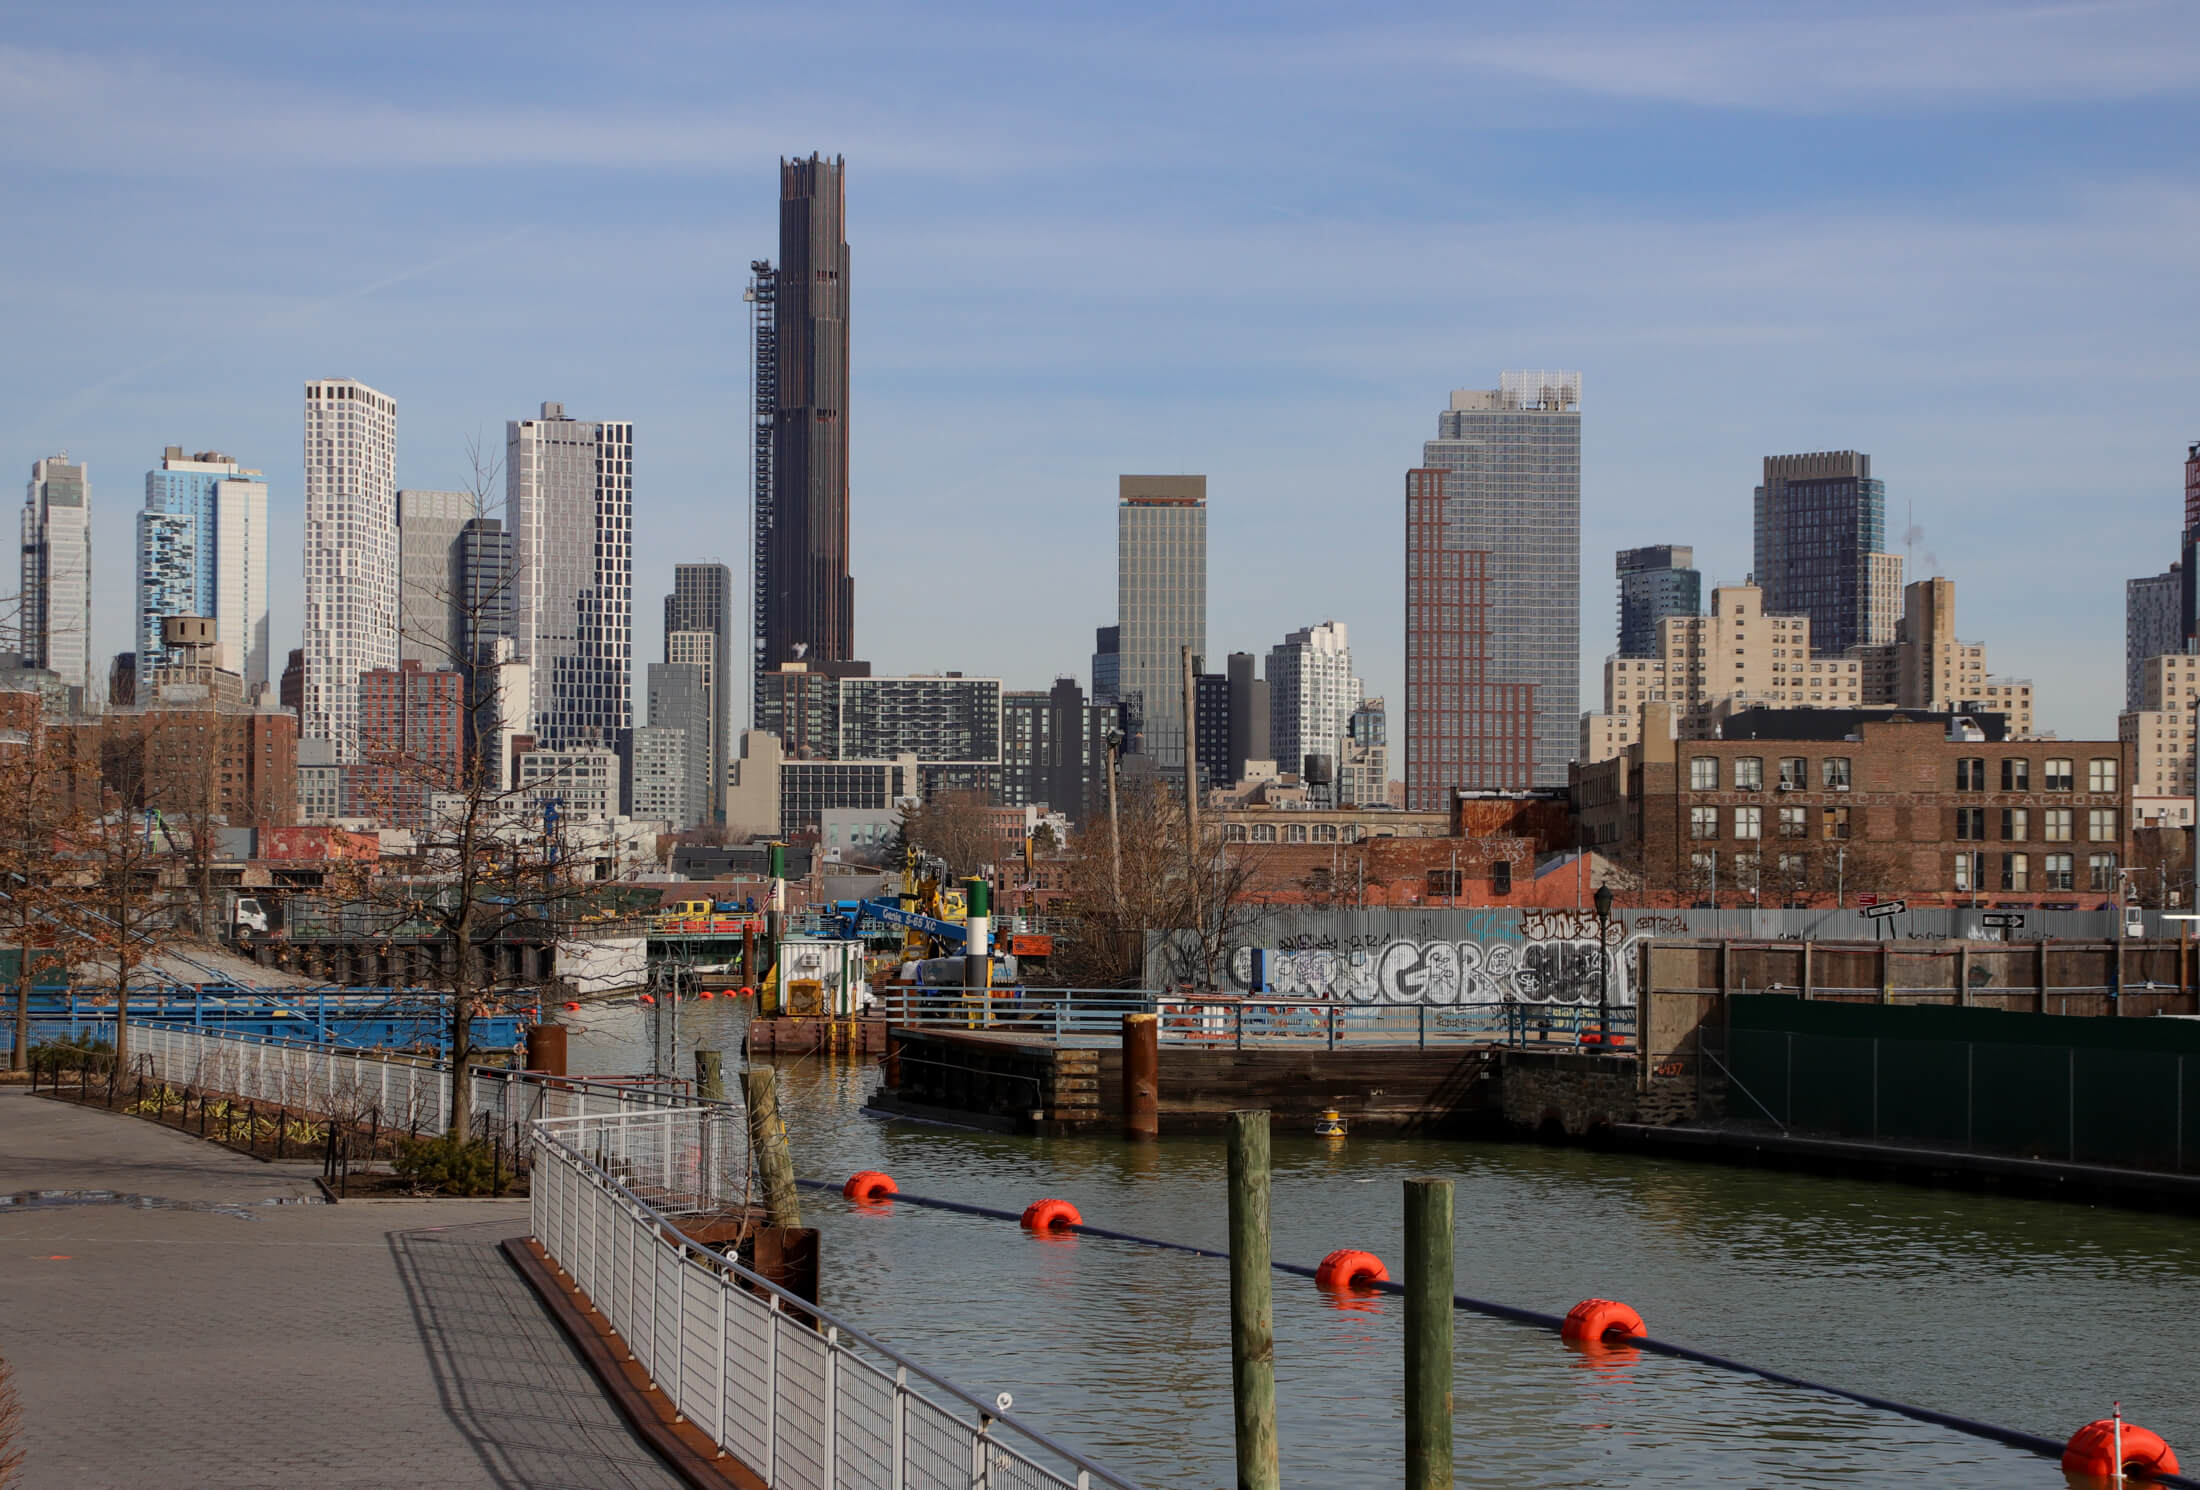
point(1428, 1334)
point(1252, 1330)
point(710, 1075)
point(1141, 1076)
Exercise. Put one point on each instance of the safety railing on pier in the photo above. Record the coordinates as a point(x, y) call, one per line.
point(1095, 1016)
point(394, 1095)
point(799, 1395)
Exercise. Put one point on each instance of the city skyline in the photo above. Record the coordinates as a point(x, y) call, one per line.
point(1736, 226)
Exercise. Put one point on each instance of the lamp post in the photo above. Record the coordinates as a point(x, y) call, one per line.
point(1604, 964)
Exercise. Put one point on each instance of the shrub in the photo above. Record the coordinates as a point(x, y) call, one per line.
point(450, 1166)
point(56, 1056)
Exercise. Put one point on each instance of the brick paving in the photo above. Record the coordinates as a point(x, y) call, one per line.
point(381, 1344)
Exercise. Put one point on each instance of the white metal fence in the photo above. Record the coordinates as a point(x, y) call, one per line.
point(356, 1087)
point(801, 1397)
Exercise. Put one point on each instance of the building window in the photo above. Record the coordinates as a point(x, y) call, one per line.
point(1833, 771)
point(1970, 773)
point(1970, 871)
point(2100, 774)
point(1795, 822)
point(1325, 832)
point(1835, 821)
point(1703, 773)
point(1749, 773)
point(1970, 824)
point(2016, 774)
point(1501, 877)
point(2100, 825)
point(2057, 775)
point(1749, 822)
point(1294, 833)
point(1795, 869)
point(2055, 872)
point(2016, 824)
point(1794, 773)
point(2016, 872)
point(1703, 822)
point(2055, 825)
point(1264, 832)
point(1444, 884)
point(1703, 867)
point(2100, 871)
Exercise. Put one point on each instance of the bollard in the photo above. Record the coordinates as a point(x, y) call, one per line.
point(1428, 1334)
point(546, 1048)
point(768, 1142)
point(710, 1075)
point(1252, 1328)
point(1141, 1076)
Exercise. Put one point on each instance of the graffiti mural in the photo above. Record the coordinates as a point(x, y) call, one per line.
point(1541, 957)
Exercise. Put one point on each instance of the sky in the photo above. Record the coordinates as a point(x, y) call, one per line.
point(1258, 242)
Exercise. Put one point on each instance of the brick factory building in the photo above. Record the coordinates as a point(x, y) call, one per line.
point(1918, 807)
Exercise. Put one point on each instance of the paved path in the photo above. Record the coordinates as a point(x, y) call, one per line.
point(261, 1343)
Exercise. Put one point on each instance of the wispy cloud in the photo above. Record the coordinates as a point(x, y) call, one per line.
point(1817, 59)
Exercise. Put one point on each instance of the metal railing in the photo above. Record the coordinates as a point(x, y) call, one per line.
point(1252, 1021)
point(802, 1397)
point(395, 1095)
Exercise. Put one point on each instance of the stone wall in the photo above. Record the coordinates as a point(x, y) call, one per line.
point(1576, 1093)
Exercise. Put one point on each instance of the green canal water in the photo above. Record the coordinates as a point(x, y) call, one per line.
point(2030, 1314)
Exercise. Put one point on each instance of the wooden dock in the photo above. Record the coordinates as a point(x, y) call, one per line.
point(806, 1034)
point(1029, 1084)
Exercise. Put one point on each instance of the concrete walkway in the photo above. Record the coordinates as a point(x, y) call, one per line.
point(213, 1329)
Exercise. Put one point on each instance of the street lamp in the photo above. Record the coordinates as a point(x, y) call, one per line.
point(1604, 964)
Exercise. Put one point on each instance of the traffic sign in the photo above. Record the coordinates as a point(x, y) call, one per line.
point(1863, 900)
point(1885, 908)
point(2006, 920)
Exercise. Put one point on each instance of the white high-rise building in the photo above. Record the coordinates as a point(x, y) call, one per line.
point(202, 551)
point(1311, 696)
point(570, 503)
point(55, 622)
point(351, 588)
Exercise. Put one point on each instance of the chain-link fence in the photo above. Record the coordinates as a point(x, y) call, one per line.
point(801, 1397)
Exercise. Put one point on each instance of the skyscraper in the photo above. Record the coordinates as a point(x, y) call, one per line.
point(570, 500)
point(1821, 537)
point(202, 551)
point(429, 581)
point(678, 774)
point(350, 553)
point(1311, 695)
point(1249, 736)
point(699, 631)
point(1654, 583)
point(1493, 590)
point(1160, 602)
point(805, 608)
point(55, 623)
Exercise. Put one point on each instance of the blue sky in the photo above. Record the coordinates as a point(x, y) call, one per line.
point(1256, 242)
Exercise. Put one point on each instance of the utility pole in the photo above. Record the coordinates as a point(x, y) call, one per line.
point(1114, 744)
point(1191, 796)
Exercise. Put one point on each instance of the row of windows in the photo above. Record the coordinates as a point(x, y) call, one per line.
point(2056, 823)
point(2057, 872)
point(2058, 773)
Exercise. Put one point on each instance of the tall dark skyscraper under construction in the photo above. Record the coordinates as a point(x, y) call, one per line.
point(804, 599)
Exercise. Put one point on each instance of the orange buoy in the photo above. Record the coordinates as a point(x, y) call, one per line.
point(1347, 1268)
point(1046, 1215)
point(572, 1008)
point(1600, 1319)
point(646, 999)
point(747, 992)
point(705, 994)
point(2092, 1450)
point(870, 1184)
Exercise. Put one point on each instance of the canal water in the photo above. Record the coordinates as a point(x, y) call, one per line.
point(2030, 1314)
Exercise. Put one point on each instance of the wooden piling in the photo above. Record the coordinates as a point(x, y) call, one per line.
point(1428, 1334)
point(1252, 1328)
point(768, 1146)
point(710, 1075)
point(1141, 1076)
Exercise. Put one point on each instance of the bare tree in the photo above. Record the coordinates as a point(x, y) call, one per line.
point(115, 866)
point(1199, 892)
point(959, 827)
point(39, 778)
